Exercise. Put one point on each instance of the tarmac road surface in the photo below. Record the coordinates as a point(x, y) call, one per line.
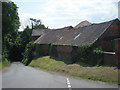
point(20, 76)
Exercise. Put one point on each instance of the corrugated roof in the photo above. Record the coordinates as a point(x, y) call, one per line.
point(74, 36)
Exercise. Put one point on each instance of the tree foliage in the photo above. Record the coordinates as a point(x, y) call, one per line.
point(28, 54)
point(37, 24)
point(10, 25)
point(89, 54)
point(10, 19)
point(16, 46)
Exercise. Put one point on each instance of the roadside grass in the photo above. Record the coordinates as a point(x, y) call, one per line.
point(101, 73)
point(4, 63)
point(0, 65)
point(0, 61)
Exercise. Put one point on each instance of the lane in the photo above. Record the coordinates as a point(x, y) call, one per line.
point(80, 83)
point(20, 76)
point(68, 83)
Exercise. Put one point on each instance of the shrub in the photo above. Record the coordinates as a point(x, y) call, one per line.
point(88, 54)
point(79, 53)
point(28, 54)
point(5, 63)
point(4, 54)
point(53, 51)
point(96, 56)
point(40, 51)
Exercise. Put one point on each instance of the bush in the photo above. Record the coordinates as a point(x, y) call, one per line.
point(79, 53)
point(4, 54)
point(53, 51)
point(5, 63)
point(40, 51)
point(88, 54)
point(28, 54)
point(97, 56)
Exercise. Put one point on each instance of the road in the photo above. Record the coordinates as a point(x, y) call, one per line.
point(20, 76)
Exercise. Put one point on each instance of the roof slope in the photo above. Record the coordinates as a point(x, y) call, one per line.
point(52, 35)
point(77, 36)
point(82, 24)
point(84, 35)
point(39, 32)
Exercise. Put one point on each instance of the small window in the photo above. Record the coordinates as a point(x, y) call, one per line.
point(77, 36)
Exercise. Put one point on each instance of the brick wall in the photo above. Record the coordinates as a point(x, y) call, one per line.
point(109, 59)
point(106, 40)
point(64, 51)
point(45, 46)
point(117, 50)
point(41, 50)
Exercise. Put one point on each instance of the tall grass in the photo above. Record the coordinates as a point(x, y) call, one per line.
point(101, 73)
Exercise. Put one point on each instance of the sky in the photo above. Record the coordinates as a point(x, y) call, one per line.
point(62, 13)
point(119, 10)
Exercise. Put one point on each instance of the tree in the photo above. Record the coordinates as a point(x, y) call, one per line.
point(27, 43)
point(26, 35)
point(10, 25)
point(37, 24)
point(28, 54)
point(16, 46)
point(10, 19)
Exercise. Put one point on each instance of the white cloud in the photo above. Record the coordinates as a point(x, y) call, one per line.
point(26, 0)
point(60, 13)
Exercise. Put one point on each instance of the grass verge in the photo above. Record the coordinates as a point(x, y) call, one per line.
point(102, 73)
point(4, 63)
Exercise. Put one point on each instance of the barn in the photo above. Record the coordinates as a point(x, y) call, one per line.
point(105, 35)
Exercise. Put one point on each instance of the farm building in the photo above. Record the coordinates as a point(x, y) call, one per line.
point(105, 36)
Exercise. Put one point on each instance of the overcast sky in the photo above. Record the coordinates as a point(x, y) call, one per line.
point(61, 13)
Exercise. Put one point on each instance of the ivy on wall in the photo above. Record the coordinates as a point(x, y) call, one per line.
point(40, 51)
point(89, 54)
point(53, 51)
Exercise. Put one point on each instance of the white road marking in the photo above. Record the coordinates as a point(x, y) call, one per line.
point(68, 83)
point(69, 86)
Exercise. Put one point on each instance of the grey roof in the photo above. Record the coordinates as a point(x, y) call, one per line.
point(52, 35)
point(64, 28)
point(75, 36)
point(82, 24)
point(37, 32)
